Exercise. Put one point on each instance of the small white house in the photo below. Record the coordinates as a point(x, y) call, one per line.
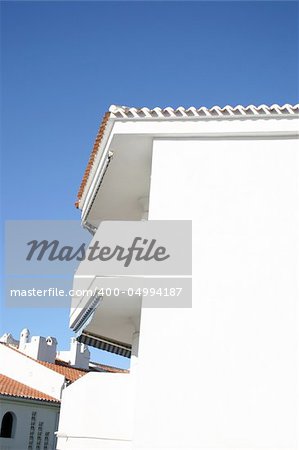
point(33, 376)
point(28, 417)
point(224, 373)
point(31, 383)
point(34, 362)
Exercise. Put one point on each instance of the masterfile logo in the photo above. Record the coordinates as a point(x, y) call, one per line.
point(140, 249)
point(146, 258)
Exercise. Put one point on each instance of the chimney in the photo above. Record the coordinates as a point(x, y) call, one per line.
point(79, 354)
point(39, 347)
point(24, 339)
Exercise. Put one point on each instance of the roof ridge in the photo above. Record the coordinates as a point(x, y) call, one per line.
point(215, 111)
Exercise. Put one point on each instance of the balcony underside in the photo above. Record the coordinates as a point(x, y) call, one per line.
point(105, 322)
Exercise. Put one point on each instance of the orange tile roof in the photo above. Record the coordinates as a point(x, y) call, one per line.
point(105, 368)
point(92, 157)
point(70, 373)
point(73, 373)
point(12, 388)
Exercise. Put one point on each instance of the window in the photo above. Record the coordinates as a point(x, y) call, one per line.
point(46, 441)
point(7, 425)
point(39, 435)
point(32, 430)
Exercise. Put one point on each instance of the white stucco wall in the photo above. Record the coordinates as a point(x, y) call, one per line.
point(22, 410)
point(15, 365)
point(224, 373)
point(97, 412)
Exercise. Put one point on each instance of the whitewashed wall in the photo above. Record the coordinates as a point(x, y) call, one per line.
point(30, 372)
point(22, 409)
point(224, 374)
point(97, 412)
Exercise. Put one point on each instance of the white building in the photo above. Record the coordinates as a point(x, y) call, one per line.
point(28, 417)
point(224, 373)
point(33, 376)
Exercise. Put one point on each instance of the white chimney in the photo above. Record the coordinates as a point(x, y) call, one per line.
point(78, 355)
point(41, 348)
point(24, 339)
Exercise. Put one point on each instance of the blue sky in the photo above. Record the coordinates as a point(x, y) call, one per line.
point(64, 63)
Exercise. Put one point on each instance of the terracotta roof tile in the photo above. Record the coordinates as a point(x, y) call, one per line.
point(126, 112)
point(70, 373)
point(92, 157)
point(110, 369)
point(13, 388)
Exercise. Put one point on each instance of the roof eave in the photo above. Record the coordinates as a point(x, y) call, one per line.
point(92, 174)
point(30, 399)
point(90, 164)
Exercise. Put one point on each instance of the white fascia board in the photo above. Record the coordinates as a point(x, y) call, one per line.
point(255, 126)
